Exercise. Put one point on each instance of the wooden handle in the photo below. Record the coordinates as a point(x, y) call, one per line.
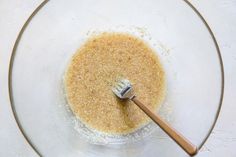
point(175, 135)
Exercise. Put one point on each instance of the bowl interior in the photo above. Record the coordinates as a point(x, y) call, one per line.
point(172, 28)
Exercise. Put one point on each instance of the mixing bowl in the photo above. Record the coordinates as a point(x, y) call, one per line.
point(57, 28)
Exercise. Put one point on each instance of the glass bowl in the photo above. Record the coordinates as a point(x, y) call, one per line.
point(175, 29)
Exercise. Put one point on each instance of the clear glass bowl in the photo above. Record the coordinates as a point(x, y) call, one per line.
point(177, 32)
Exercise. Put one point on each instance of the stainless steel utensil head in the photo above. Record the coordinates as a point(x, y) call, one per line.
point(123, 89)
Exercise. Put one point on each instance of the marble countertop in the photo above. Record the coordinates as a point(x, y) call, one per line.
point(220, 15)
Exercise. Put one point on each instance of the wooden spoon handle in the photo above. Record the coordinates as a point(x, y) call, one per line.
point(174, 134)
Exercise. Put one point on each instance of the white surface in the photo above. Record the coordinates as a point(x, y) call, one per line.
point(220, 15)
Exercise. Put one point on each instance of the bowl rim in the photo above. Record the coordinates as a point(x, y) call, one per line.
point(39, 7)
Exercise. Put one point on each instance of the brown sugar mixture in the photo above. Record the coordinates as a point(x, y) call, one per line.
point(94, 68)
